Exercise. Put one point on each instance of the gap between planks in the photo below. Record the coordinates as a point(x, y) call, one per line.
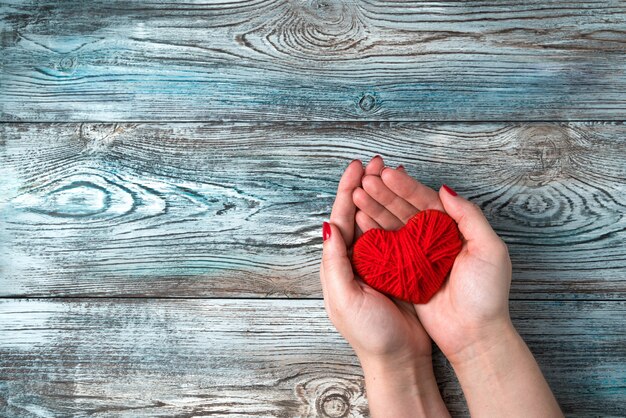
point(269, 299)
point(309, 121)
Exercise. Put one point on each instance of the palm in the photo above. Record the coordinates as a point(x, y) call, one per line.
point(387, 327)
point(465, 300)
point(382, 326)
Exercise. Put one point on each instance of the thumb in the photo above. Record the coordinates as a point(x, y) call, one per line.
point(470, 219)
point(338, 274)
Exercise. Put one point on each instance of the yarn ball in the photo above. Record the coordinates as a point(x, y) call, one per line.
point(411, 263)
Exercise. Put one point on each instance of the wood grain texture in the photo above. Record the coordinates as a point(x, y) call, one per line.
point(312, 60)
point(137, 357)
point(191, 210)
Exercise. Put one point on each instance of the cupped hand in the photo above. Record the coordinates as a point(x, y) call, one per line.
point(378, 328)
point(472, 305)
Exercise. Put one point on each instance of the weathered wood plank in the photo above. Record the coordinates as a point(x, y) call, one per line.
point(314, 60)
point(137, 357)
point(235, 209)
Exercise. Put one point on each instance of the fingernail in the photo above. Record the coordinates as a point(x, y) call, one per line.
point(376, 156)
point(325, 231)
point(360, 162)
point(400, 167)
point(449, 190)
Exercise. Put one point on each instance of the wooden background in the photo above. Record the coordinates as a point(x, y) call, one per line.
point(165, 169)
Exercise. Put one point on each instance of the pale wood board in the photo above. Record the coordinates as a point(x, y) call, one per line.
point(312, 60)
point(235, 209)
point(150, 357)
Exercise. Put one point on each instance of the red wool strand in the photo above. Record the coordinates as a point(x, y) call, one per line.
point(411, 263)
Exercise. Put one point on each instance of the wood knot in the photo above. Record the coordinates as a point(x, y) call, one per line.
point(67, 64)
point(71, 197)
point(90, 196)
point(318, 31)
point(326, 8)
point(367, 102)
point(333, 398)
point(543, 207)
point(544, 153)
point(98, 137)
point(334, 402)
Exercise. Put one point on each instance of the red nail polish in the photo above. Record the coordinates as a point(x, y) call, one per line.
point(449, 190)
point(325, 231)
point(400, 167)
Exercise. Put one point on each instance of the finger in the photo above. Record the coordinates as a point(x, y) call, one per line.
point(323, 282)
point(337, 269)
point(411, 190)
point(375, 187)
point(401, 167)
point(366, 223)
point(472, 223)
point(324, 288)
point(375, 210)
point(408, 307)
point(357, 229)
point(375, 165)
point(344, 209)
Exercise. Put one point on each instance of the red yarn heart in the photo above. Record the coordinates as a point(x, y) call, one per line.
point(411, 263)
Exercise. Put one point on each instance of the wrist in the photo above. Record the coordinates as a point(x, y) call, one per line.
point(402, 388)
point(414, 377)
point(500, 377)
point(490, 357)
point(484, 341)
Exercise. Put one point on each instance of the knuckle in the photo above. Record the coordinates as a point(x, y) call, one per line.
point(476, 208)
point(366, 181)
point(359, 197)
point(329, 269)
point(328, 262)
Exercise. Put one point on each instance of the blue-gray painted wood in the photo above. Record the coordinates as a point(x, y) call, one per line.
point(312, 60)
point(221, 209)
point(188, 210)
point(278, 358)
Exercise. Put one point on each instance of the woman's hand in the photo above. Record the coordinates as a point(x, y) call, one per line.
point(374, 325)
point(468, 317)
point(391, 344)
point(472, 305)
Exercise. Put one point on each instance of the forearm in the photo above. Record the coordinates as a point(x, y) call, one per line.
point(500, 377)
point(402, 391)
